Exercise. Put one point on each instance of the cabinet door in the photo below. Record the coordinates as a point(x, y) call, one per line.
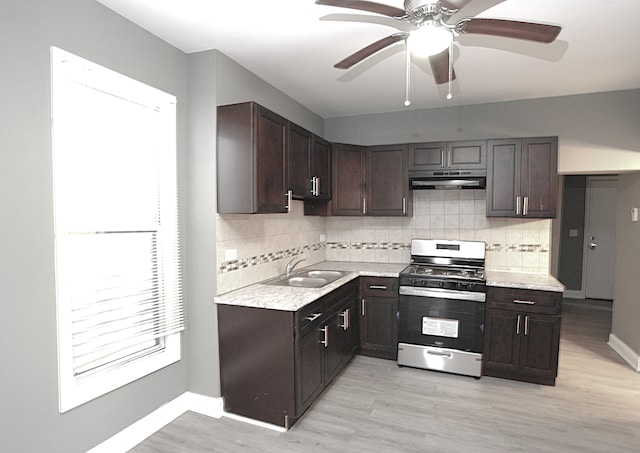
point(467, 155)
point(298, 169)
point(539, 176)
point(501, 342)
point(427, 156)
point(387, 182)
point(271, 144)
point(333, 342)
point(351, 329)
point(321, 168)
point(309, 369)
point(348, 180)
point(503, 177)
point(539, 350)
point(379, 326)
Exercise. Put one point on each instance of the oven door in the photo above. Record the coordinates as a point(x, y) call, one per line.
point(441, 322)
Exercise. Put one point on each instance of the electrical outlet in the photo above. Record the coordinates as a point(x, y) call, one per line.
point(231, 255)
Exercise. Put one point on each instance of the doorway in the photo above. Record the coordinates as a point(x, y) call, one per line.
point(589, 210)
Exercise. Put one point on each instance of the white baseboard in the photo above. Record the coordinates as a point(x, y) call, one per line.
point(132, 435)
point(624, 351)
point(573, 294)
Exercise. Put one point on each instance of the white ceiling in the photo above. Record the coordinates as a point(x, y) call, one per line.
point(293, 45)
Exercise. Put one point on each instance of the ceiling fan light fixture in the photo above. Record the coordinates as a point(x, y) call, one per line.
point(429, 40)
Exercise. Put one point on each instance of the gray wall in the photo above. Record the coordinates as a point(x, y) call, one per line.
point(29, 420)
point(626, 307)
point(234, 84)
point(571, 248)
point(598, 133)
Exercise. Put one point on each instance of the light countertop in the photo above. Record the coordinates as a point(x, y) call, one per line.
point(520, 280)
point(262, 295)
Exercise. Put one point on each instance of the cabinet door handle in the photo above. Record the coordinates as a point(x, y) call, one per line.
point(363, 307)
point(346, 319)
point(326, 336)
point(404, 205)
point(525, 208)
point(442, 158)
point(518, 201)
point(526, 325)
point(518, 325)
point(313, 317)
point(524, 302)
point(317, 186)
point(382, 287)
point(364, 206)
point(449, 159)
point(289, 195)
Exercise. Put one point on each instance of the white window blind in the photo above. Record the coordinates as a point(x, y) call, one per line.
point(119, 297)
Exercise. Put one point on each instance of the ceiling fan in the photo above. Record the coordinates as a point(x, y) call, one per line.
point(432, 36)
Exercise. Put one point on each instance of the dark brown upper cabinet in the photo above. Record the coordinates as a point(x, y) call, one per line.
point(387, 181)
point(252, 147)
point(348, 180)
point(309, 165)
point(460, 155)
point(522, 177)
point(371, 181)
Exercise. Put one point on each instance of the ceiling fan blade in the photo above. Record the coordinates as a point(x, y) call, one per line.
point(440, 67)
point(371, 7)
point(509, 28)
point(370, 50)
point(454, 4)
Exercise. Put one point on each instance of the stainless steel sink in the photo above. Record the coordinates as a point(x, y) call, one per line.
point(307, 279)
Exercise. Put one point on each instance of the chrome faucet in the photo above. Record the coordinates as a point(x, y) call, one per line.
point(291, 265)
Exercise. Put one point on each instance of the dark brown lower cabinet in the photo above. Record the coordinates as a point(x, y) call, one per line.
point(274, 364)
point(379, 317)
point(522, 341)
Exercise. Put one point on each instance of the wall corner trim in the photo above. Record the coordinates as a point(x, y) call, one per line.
point(624, 351)
point(132, 435)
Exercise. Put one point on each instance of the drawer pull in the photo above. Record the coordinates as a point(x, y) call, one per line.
point(524, 302)
point(313, 317)
point(383, 287)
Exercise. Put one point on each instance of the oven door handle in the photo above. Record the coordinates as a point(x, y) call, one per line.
point(447, 355)
point(443, 293)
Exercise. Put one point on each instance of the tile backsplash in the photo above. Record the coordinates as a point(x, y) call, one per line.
point(266, 243)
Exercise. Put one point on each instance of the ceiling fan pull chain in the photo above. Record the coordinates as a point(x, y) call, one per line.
point(407, 101)
point(449, 95)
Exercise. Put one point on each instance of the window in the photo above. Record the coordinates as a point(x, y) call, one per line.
point(118, 284)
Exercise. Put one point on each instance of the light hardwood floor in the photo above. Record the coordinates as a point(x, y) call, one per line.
point(374, 406)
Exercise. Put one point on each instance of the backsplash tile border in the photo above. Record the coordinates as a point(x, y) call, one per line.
point(234, 265)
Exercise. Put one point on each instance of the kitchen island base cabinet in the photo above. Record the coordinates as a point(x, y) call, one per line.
point(522, 335)
point(275, 363)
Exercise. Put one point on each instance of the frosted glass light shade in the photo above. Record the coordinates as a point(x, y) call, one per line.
point(428, 40)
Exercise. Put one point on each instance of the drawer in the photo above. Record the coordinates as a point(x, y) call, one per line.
point(338, 299)
point(378, 287)
point(309, 317)
point(524, 300)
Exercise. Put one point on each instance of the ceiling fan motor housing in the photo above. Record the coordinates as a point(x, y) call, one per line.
point(420, 11)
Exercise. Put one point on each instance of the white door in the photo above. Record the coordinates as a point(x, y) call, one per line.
point(600, 236)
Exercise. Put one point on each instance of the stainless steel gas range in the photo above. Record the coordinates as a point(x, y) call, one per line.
point(441, 307)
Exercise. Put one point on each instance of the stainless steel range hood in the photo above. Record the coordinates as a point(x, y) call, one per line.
point(451, 179)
